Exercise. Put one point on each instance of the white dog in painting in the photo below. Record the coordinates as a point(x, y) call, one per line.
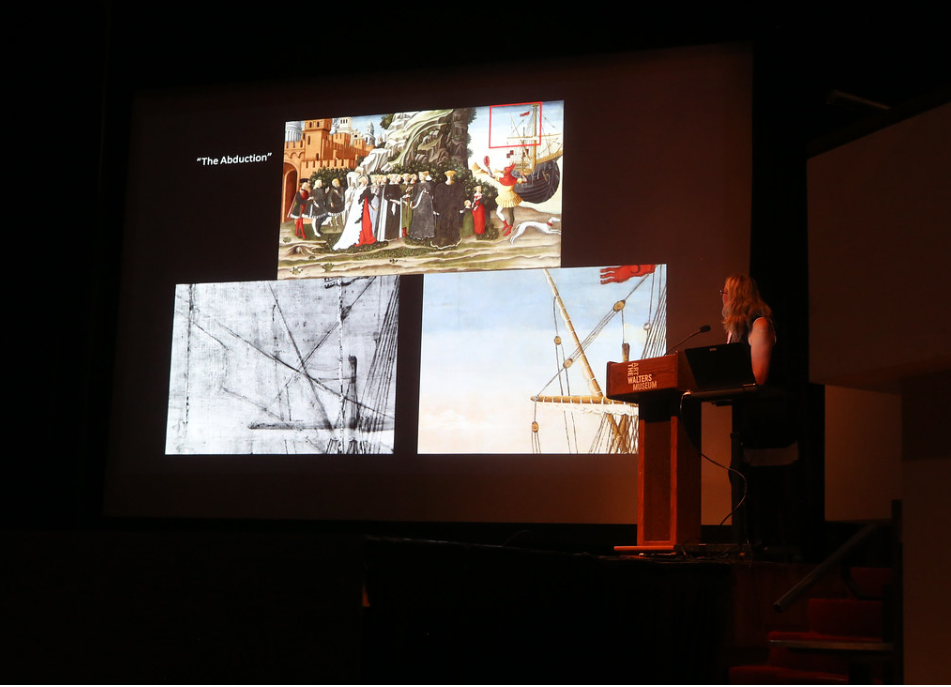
point(544, 227)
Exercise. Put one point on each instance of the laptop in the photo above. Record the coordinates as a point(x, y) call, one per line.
point(721, 371)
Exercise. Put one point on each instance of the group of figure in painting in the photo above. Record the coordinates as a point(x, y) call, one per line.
point(384, 207)
point(319, 203)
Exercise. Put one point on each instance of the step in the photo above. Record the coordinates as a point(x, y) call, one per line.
point(846, 617)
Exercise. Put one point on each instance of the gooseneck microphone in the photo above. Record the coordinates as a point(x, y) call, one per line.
point(703, 329)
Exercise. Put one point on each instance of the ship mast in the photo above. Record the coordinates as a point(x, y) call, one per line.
point(597, 396)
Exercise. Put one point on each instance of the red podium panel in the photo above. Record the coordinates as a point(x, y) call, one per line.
point(637, 380)
point(668, 473)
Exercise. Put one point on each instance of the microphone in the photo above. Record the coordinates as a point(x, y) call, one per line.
point(703, 329)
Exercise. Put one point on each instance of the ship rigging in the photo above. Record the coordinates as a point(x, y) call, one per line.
point(617, 432)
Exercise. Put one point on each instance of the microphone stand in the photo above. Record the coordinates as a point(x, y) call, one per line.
point(705, 328)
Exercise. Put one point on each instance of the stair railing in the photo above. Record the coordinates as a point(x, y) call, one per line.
point(809, 581)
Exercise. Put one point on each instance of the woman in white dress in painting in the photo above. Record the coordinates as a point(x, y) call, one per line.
point(353, 214)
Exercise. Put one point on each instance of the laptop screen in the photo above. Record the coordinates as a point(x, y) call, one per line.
point(727, 366)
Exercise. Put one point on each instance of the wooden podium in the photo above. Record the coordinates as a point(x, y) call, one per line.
point(668, 473)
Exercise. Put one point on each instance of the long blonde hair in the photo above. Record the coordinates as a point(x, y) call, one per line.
point(744, 305)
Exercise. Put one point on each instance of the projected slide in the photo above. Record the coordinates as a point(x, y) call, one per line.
point(462, 189)
point(514, 362)
point(284, 367)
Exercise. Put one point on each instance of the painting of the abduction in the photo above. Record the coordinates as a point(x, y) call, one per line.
point(526, 351)
point(284, 367)
point(453, 190)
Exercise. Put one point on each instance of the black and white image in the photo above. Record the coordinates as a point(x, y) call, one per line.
point(302, 366)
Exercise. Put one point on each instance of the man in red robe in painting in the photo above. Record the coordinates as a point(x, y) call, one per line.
point(297, 207)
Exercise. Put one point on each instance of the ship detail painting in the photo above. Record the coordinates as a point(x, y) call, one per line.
point(526, 351)
point(449, 190)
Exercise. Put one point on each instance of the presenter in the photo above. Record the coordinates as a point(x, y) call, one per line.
point(764, 427)
point(747, 319)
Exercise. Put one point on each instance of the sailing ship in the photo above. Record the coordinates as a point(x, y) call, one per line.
point(537, 146)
